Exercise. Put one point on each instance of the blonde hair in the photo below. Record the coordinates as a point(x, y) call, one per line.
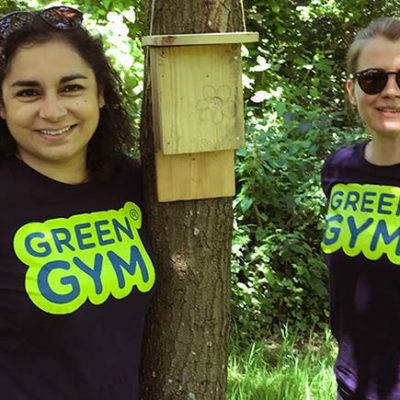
point(386, 27)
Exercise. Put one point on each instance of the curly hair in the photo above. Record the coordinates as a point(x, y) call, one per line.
point(113, 135)
point(386, 27)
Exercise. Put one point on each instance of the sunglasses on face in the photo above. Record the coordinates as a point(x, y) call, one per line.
point(374, 80)
point(62, 18)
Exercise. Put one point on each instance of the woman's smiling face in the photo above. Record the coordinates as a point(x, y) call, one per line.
point(51, 104)
point(381, 112)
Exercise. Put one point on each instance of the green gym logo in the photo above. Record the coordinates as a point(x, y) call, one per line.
point(84, 257)
point(364, 219)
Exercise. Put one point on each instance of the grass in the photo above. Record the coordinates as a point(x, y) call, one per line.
point(287, 368)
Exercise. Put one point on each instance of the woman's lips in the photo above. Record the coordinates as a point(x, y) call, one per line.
point(56, 132)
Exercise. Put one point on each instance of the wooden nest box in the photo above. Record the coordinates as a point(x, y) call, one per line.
point(198, 116)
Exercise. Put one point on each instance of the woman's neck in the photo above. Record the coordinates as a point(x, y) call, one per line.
point(71, 173)
point(383, 151)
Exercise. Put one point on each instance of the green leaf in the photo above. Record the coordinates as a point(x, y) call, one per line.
point(246, 203)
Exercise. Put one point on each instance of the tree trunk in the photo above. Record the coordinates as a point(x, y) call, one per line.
point(185, 347)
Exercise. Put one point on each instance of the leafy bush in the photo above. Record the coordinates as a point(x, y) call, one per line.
point(278, 272)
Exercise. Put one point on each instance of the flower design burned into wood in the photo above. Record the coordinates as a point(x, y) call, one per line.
point(217, 104)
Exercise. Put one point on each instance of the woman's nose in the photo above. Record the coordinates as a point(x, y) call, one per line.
point(391, 88)
point(52, 108)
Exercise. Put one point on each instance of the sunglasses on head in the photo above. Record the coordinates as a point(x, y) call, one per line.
point(374, 80)
point(61, 17)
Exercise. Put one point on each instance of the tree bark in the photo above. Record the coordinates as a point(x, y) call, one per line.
point(185, 347)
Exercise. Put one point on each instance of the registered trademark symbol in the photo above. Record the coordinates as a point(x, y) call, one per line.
point(134, 215)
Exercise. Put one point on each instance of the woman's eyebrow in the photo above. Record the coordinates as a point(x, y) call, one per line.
point(25, 83)
point(33, 83)
point(72, 77)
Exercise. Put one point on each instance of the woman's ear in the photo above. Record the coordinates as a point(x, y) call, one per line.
point(101, 100)
point(350, 87)
point(2, 109)
point(102, 103)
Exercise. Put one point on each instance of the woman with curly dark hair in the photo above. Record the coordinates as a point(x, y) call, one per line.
point(76, 276)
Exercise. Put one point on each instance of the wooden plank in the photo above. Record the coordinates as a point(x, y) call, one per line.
point(156, 106)
point(195, 176)
point(200, 39)
point(197, 98)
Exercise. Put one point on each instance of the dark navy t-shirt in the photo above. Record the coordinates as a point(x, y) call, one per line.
point(361, 245)
point(76, 278)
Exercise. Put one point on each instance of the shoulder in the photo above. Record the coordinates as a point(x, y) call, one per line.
point(344, 156)
point(341, 164)
point(127, 171)
point(7, 164)
point(124, 167)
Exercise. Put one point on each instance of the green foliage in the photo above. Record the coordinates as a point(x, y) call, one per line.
point(7, 6)
point(304, 44)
